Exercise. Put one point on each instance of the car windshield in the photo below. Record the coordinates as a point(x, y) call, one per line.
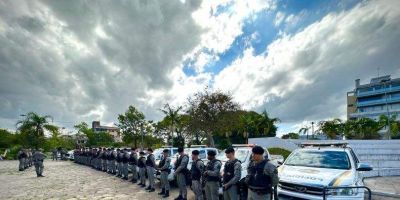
point(320, 159)
point(240, 154)
point(157, 154)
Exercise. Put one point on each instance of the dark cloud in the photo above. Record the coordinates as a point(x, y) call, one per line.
point(80, 60)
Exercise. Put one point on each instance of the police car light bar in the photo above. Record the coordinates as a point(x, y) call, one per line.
point(198, 146)
point(324, 144)
point(243, 145)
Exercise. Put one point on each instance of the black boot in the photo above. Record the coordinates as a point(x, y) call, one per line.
point(152, 190)
point(166, 194)
point(148, 188)
point(178, 198)
point(162, 192)
point(134, 181)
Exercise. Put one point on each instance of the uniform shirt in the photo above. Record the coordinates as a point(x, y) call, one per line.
point(38, 156)
point(166, 164)
point(184, 163)
point(237, 172)
point(269, 169)
point(152, 159)
point(216, 169)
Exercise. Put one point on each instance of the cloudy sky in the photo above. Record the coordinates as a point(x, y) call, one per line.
point(90, 60)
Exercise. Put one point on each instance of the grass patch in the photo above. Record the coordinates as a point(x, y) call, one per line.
point(278, 151)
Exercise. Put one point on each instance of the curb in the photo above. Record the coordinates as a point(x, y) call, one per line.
point(385, 194)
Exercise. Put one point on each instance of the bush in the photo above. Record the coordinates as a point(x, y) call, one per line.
point(13, 152)
point(278, 151)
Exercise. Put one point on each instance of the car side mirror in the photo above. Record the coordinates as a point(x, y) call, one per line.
point(280, 162)
point(363, 167)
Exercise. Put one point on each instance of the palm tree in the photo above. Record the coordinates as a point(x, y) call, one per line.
point(304, 131)
point(331, 128)
point(36, 125)
point(173, 117)
point(384, 121)
point(268, 124)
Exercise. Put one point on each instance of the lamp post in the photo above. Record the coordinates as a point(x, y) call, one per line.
point(312, 130)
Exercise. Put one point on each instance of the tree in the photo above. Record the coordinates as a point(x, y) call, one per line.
point(304, 131)
point(362, 128)
point(172, 119)
point(266, 125)
point(94, 139)
point(291, 136)
point(34, 126)
point(205, 109)
point(393, 123)
point(331, 128)
point(8, 139)
point(132, 124)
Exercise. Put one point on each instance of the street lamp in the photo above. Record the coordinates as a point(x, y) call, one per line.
point(312, 130)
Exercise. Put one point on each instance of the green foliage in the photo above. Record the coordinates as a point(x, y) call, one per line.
point(13, 152)
point(291, 136)
point(32, 129)
point(7, 139)
point(279, 151)
point(331, 128)
point(205, 110)
point(97, 139)
point(132, 124)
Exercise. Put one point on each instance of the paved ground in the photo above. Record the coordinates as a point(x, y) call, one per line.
point(384, 187)
point(67, 180)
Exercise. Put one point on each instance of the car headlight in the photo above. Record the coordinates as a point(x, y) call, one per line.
point(343, 192)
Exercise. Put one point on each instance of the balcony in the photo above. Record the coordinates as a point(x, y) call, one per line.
point(375, 113)
point(379, 91)
point(378, 102)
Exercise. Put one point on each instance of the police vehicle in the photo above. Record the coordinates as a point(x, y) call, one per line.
point(243, 153)
point(322, 171)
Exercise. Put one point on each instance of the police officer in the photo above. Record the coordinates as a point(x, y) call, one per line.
point(21, 158)
point(164, 168)
point(262, 176)
point(133, 162)
point(181, 172)
point(125, 159)
point(232, 175)
point(150, 163)
point(212, 176)
point(119, 161)
point(113, 159)
point(38, 158)
point(104, 160)
point(54, 154)
point(196, 171)
point(142, 169)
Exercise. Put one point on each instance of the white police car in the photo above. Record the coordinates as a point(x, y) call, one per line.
point(322, 171)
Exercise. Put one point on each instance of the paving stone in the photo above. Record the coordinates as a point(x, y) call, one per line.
point(67, 180)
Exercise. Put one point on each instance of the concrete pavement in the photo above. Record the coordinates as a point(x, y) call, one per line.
point(67, 180)
point(384, 187)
